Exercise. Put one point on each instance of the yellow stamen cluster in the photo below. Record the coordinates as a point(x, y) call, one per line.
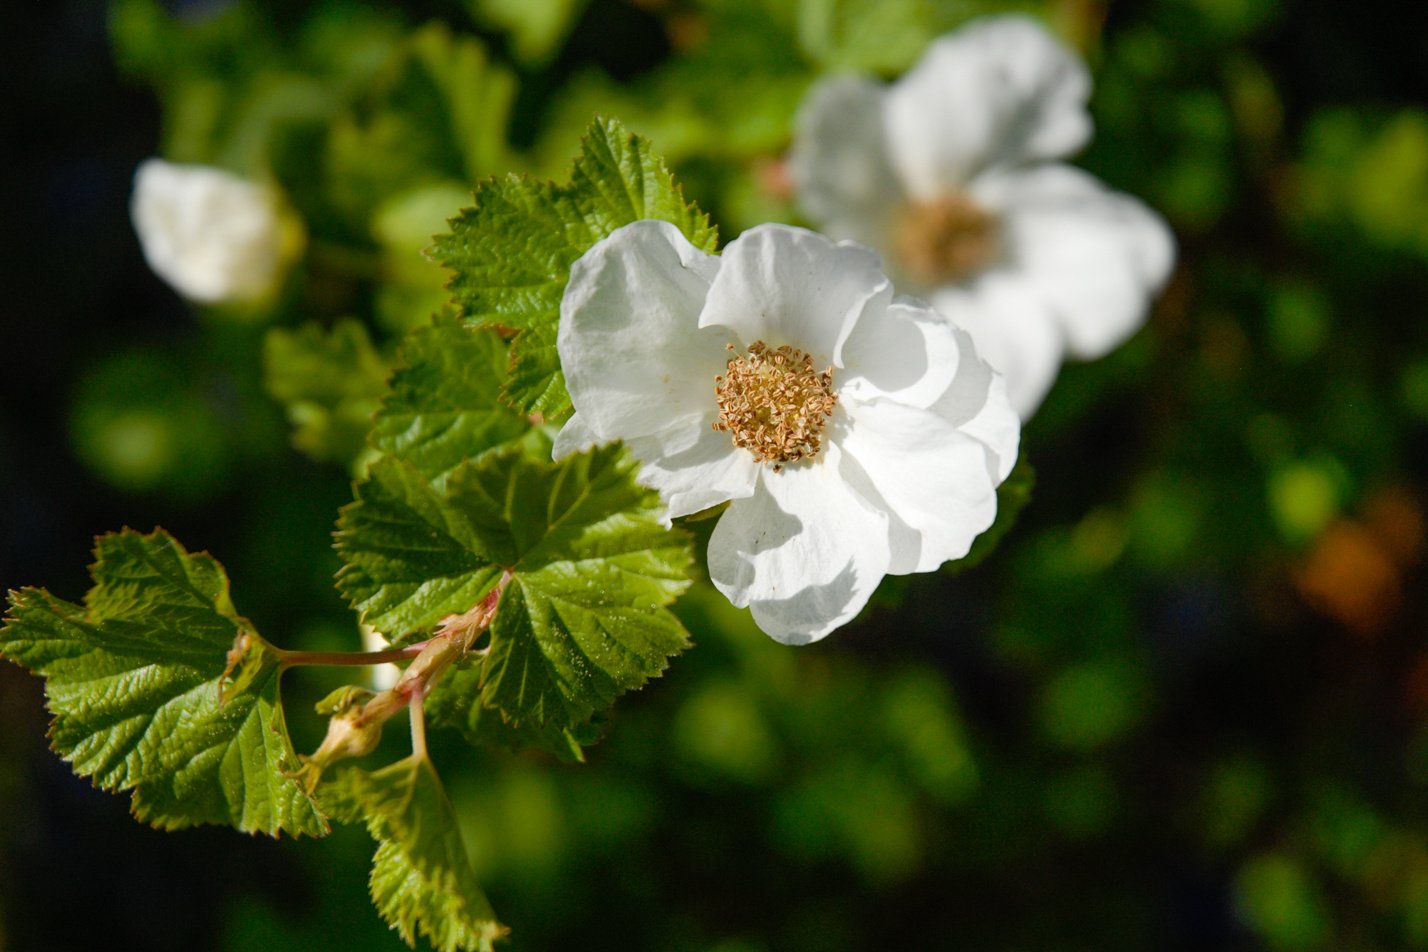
point(774, 404)
point(945, 239)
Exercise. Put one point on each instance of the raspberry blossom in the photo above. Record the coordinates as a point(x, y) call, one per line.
point(214, 237)
point(853, 435)
point(950, 172)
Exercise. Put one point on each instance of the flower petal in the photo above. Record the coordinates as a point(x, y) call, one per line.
point(999, 91)
point(839, 159)
point(931, 476)
point(705, 474)
point(998, 428)
point(906, 351)
point(785, 285)
point(977, 404)
point(1094, 255)
point(574, 437)
point(804, 552)
point(635, 361)
point(1013, 331)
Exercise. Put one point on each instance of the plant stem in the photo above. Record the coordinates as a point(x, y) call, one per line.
point(418, 719)
point(355, 730)
point(347, 658)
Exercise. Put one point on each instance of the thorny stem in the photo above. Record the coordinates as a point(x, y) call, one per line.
point(356, 730)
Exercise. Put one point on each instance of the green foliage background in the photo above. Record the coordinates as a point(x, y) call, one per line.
point(1183, 705)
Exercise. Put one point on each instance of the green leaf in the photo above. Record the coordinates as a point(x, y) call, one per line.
point(411, 559)
point(437, 113)
point(511, 253)
point(413, 287)
point(877, 35)
point(455, 703)
point(536, 26)
point(444, 407)
point(726, 100)
point(330, 381)
point(421, 880)
point(592, 566)
point(133, 679)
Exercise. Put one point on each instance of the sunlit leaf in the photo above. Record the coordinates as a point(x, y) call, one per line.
point(133, 679)
point(511, 252)
point(591, 566)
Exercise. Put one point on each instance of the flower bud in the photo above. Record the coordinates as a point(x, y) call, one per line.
point(213, 236)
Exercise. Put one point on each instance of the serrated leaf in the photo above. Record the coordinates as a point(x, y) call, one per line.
point(455, 703)
point(421, 879)
point(133, 680)
point(511, 252)
point(330, 381)
point(444, 408)
point(410, 559)
point(592, 567)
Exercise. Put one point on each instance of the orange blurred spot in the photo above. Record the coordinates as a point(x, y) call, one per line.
point(1351, 577)
point(1395, 518)
point(773, 178)
point(1354, 573)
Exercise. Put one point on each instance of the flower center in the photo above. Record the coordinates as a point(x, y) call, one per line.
point(774, 404)
point(945, 239)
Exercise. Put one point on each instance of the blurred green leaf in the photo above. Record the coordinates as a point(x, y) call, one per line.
point(404, 225)
point(1369, 171)
point(729, 96)
point(1305, 496)
point(144, 421)
point(330, 381)
point(1092, 704)
point(876, 35)
point(1282, 903)
point(918, 715)
point(719, 734)
point(537, 27)
point(1299, 321)
point(437, 114)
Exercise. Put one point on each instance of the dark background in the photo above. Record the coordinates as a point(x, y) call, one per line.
point(1244, 686)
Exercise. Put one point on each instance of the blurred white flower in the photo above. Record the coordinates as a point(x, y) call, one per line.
point(854, 435)
point(949, 173)
point(381, 676)
point(213, 236)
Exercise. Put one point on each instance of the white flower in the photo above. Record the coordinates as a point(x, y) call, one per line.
point(855, 435)
point(948, 171)
point(211, 235)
